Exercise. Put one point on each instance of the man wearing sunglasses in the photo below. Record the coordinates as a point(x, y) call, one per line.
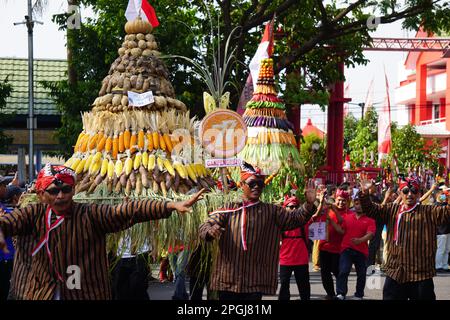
point(72, 236)
point(411, 241)
point(250, 231)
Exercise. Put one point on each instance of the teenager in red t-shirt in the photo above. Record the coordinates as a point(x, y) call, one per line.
point(294, 257)
point(358, 230)
point(329, 249)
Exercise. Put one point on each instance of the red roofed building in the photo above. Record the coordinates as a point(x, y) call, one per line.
point(425, 92)
point(309, 128)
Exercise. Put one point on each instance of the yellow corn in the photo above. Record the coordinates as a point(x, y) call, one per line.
point(93, 142)
point(97, 156)
point(108, 144)
point(88, 162)
point(180, 169)
point(128, 167)
point(160, 163)
point(111, 168)
point(118, 168)
point(198, 170)
point(137, 161)
point(75, 163)
point(145, 159)
point(155, 137)
point(79, 141)
point(191, 173)
point(169, 167)
point(69, 162)
point(95, 167)
point(162, 143)
point(80, 167)
point(168, 142)
point(141, 140)
point(150, 141)
point(126, 139)
point(151, 162)
point(104, 168)
point(121, 143)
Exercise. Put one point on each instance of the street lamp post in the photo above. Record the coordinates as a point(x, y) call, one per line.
point(31, 121)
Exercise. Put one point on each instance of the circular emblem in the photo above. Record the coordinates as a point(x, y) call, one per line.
point(223, 133)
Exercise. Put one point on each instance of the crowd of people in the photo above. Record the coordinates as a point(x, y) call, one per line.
point(260, 245)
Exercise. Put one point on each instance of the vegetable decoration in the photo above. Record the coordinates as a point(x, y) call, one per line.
point(270, 134)
point(138, 150)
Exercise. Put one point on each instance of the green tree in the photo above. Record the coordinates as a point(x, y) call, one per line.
point(313, 158)
point(350, 127)
point(364, 138)
point(5, 92)
point(412, 151)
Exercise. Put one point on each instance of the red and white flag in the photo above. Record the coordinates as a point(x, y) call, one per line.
point(141, 8)
point(264, 51)
point(384, 127)
point(369, 98)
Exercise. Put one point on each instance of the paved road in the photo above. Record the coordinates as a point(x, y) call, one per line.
point(374, 286)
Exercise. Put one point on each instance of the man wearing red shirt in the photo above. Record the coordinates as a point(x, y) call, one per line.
point(294, 257)
point(358, 229)
point(329, 249)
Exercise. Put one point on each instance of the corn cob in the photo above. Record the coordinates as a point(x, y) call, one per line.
point(97, 156)
point(121, 142)
point(133, 142)
point(101, 143)
point(128, 167)
point(69, 162)
point(104, 168)
point(141, 140)
point(118, 168)
point(109, 144)
point(162, 143)
point(150, 141)
point(163, 188)
point(88, 162)
point(180, 169)
point(111, 168)
point(190, 172)
point(138, 189)
point(115, 147)
point(199, 170)
point(75, 163)
point(80, 166)
point(137, 161)
point(79, 141)
point(145, 159)
point(84, 144)
point(169, 167)
point(168, 142)
point(155, 137)
point(126, 139)
point(93, 142)
point(95, 167)
point(151, 162)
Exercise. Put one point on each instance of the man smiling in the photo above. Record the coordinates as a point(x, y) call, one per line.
point(72, 235)
point(411, 241)
point(250, 232)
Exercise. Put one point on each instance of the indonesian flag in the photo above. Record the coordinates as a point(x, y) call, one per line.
point(384, 127)
point(264, 51)
point(141, 8)
point(347, 164)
